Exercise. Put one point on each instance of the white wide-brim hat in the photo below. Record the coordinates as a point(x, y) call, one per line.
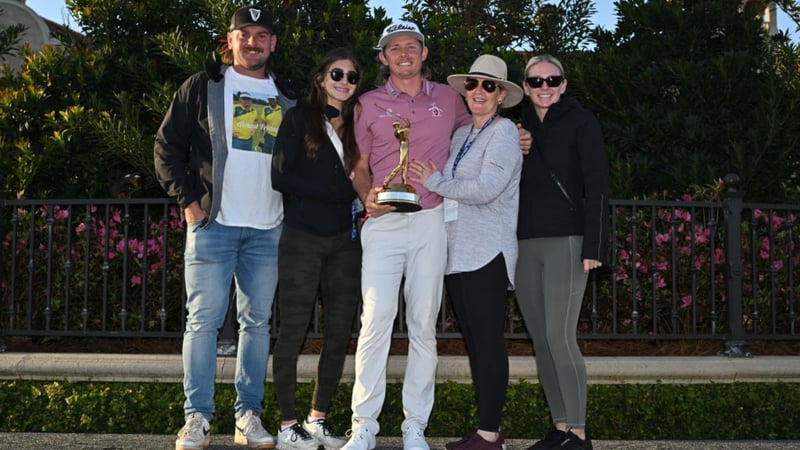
point(493, 68)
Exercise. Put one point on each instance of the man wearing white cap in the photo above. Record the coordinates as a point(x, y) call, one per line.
point(401, 244)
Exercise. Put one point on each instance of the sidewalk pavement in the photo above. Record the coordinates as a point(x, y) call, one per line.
point(31, 441)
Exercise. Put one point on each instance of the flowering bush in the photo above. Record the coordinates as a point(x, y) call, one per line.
point(94, 267)
point(669, 271)
point(110, 267)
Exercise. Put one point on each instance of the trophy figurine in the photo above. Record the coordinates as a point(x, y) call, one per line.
point(402, 196)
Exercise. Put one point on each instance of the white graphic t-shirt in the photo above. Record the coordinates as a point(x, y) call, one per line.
point(253, 116)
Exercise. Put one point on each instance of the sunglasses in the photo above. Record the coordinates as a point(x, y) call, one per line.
point(338, 74)
point(487, 85)
point(537, 82)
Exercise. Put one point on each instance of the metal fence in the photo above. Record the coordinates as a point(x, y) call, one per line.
point(678, 270)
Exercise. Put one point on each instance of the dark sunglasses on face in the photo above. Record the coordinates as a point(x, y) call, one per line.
point(487, 85)
point(338, 74)
point(537, 82)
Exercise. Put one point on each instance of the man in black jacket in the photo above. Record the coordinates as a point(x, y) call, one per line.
point(234, 220)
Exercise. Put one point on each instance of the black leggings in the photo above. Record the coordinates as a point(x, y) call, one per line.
point(307, 263)
point(479, 299)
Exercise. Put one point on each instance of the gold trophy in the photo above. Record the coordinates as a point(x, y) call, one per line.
point(402, 196)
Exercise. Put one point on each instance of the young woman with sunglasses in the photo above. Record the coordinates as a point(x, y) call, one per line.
point(562, 233)
point(315, 152)
point(480, 186)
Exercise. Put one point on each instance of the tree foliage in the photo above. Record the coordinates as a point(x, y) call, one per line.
point(79, 120)
point(686, 90)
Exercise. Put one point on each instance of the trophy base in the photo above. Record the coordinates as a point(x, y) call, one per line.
point(403, 201)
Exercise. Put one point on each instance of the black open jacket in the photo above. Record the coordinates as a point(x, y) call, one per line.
point(570, 142)
point(317, 194)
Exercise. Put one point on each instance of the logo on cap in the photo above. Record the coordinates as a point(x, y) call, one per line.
point(401, 27)
point(255, 14)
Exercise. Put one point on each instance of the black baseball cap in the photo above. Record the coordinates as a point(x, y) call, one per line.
point(251, 15)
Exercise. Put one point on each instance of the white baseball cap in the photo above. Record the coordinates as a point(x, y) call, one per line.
point(400, 28)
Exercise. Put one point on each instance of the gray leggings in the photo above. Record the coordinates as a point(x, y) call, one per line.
point(550, 283)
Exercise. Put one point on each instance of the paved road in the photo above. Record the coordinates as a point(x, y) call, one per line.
point(30, 441)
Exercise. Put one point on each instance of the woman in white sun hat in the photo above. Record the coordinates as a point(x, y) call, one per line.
point(480, 186)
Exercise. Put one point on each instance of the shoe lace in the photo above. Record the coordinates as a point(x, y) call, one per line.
point(298, 432)
point(413, 432)
point(326, 430)
point(252, 425)
point(193, 426)
point(356, 431)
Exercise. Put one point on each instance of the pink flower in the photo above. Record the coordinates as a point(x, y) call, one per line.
point(701, 235)
point(153, 247)
point(136, 280)
point(777, 264)
point(719, 256)
point(777, 222)
point(662, 238)
point(686, 301)
point(136, 247)
point(80, 228)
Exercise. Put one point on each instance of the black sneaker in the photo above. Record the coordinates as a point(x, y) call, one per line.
point(572, 442)
point(553, 438)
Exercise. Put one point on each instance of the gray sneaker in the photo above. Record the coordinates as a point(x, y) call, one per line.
point(361, 437)
point(296, 438)
point(251, 433)
point(323, 434)
point(195, 434)
point(414, 439)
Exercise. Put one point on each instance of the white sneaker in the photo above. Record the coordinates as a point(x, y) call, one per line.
point(296, 438)
point(361, 436)
point(323, 434)
point(414, 439)
point(195, 434)
point(251, 433)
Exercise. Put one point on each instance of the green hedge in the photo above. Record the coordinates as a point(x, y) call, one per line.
point(646, 411)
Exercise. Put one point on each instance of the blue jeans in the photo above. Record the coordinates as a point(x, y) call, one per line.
point(214, 256)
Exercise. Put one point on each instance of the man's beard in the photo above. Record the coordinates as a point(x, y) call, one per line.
point(258, 65)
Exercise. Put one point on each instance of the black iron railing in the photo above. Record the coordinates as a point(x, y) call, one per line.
point(678, 270)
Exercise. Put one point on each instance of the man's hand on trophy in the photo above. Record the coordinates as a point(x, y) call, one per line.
point(374, 209)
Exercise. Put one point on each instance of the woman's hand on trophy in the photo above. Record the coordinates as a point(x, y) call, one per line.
point(420, 171)
point(373, 208)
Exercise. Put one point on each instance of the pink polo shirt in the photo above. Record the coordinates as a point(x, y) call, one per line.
point(435, 113)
